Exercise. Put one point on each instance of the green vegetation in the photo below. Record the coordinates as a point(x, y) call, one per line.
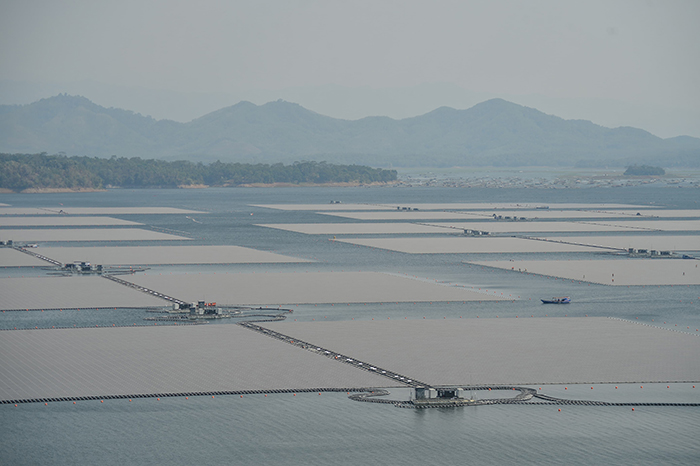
point(644, 170)
point(41, 171)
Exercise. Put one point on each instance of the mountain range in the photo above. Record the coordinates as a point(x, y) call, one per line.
point(492, 133)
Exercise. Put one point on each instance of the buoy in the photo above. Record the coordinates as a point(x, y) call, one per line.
point(559, 409)
point(632, 409)
point(74, 402)
point(102, 401)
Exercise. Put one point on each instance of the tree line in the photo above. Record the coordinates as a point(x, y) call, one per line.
point(36, 171)
point(644, 170)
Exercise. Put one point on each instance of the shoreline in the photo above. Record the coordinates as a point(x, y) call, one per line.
point(52, 190)
point(198, 186)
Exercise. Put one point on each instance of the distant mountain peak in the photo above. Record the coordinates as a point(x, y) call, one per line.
point(494, 132)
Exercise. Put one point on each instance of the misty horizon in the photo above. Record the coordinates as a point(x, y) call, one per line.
point(620, 63)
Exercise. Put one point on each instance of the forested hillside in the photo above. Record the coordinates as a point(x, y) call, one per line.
point(41, 171)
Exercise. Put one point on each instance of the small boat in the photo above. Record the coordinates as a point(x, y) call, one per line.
point(562, 300)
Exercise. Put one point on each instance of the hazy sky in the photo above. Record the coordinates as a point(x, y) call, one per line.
point(643, 53)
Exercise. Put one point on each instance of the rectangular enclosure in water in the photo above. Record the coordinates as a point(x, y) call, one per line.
point(414, 215)
point(147, 255)
point(94, 210)
point(70, 293)
point(648, 242)
point(303, 288)
point(358, 228)
point(160, 360)
point(622, 272)
point(494, 226)
point(553, 350)
point(467, 245)
point(12, 258)
point(86, 234)
point(60, 220)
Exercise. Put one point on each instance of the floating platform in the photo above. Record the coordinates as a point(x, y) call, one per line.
point(358, 228)
point(616, 272)
point(151, 255)
point(321, 207)
point(86, 234)
point(171, 360)
point(10, 257)
point(304, 288)
point(656, 242)
point(162, 360)
point(94, 210)
point(72, 292)
point(524, 351)
point(60, 220)
point(526, 226)
point(422, 215)
point(467, 245)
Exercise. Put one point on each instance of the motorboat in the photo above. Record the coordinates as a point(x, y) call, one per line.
point(560, 300)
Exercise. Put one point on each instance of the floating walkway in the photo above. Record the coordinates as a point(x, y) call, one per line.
point(394, 376)
point(523, 398)
point(181, 394)
point(144, 290)
point(38, 256)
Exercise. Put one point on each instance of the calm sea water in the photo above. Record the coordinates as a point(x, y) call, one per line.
point(330, 429)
